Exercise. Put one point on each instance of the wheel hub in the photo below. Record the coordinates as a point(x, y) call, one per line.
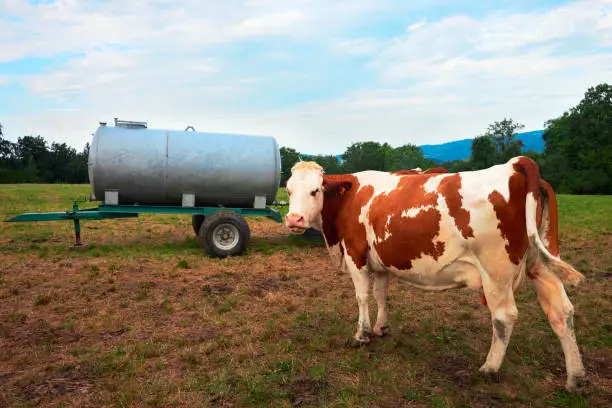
point(225, 236)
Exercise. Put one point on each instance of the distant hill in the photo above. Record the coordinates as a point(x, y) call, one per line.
point(461, 149)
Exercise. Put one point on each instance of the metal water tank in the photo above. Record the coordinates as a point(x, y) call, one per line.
point(132, 164)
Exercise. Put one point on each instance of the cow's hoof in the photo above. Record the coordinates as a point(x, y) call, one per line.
point(381, 331)
point(578, 384)
point(357, 342)
point(354, 343)
point(491, 375)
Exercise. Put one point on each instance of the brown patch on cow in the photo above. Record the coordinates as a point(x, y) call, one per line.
point(529, 168)
point(449, 188)
point(352, 231)
point(552, 233)
point(410, 237)
point(405, 172)
point(511, 216)
point(436, 170)
point(332, 201)
point(342, 205)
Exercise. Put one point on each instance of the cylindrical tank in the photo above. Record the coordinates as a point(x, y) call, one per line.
point(157, 166)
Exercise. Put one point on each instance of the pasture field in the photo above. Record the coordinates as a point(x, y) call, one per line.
point(144, 319)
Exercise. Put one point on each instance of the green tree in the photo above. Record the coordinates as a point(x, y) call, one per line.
point(330, 163)
point(581, 140)
point(29, 172)
point(61, 163)
point(289, 157)
point(484, 153)
point(406, 157)
point(365, 156)
point(502, 133)
point(36, 147)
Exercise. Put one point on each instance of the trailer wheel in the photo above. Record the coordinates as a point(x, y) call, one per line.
point(196, 222)
point(224, 233)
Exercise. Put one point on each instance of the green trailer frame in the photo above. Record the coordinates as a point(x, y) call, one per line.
point(222, 216)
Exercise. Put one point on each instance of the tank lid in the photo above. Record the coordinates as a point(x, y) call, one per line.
point(130, 124)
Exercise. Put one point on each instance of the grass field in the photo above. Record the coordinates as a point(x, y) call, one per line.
point(144, 319)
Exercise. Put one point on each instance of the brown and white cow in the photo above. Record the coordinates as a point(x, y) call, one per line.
point(484, 230)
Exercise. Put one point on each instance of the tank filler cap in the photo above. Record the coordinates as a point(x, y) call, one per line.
point(130, 124)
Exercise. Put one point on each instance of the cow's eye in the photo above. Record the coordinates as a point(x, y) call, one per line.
point(314, 192)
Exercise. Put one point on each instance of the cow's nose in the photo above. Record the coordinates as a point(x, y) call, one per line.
point(295, 220)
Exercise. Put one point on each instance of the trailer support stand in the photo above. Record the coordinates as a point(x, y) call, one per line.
point(78, 246)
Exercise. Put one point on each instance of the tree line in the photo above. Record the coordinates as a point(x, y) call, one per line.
point(32, 160)
point(577, 158)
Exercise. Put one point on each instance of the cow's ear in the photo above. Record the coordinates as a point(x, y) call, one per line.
point(336, 187)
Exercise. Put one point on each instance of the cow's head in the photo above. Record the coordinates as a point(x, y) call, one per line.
point(306, 188)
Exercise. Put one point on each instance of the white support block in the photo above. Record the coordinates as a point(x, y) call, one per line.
point(111, 197)
point(188, 200)
point(260, 202)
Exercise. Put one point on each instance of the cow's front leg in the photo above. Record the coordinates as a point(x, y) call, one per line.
point(361, 282)
point(381, 288)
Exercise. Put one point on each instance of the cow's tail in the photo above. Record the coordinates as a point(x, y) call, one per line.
point(549, 222)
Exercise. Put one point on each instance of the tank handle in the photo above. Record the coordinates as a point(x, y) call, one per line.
point(190, 127)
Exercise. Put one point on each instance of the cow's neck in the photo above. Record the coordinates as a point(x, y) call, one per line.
point(332, 205)
point(329, 215)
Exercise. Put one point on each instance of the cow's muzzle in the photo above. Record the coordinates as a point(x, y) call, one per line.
point(296, 223)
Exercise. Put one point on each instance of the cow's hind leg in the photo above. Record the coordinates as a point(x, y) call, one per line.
point(560, 313)
point(381, 288)
point(362, 285)
point(497, 279)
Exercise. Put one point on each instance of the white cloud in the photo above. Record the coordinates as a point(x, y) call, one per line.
point(461, 45)
point(417, 25)
point(359, 46)
point(96, 69)
point(270, 24)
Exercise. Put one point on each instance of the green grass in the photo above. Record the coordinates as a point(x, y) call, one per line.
point(585, 214)
point(144, 319)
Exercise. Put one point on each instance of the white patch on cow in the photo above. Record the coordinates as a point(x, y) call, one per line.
point(387, 224)
point(531, 209)
point(545, 226)
point(383, 183)
point(434, 182)
point(476, 186)
point(481, 183)
point(414, 211)
point(301, 202)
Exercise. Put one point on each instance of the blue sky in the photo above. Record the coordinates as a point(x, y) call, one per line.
point(316, 74)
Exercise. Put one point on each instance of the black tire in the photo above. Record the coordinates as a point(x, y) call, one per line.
point(196, 222)
point(224, 223)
